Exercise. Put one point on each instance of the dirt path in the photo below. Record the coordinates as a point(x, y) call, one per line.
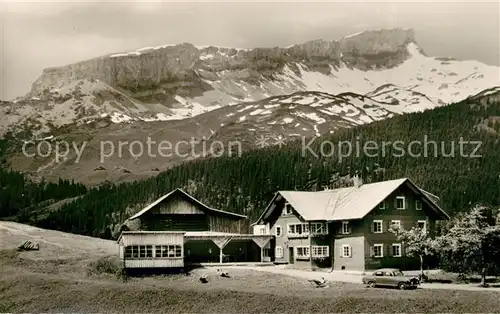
point(356, 278)
point(333, 276)
point(455, 286)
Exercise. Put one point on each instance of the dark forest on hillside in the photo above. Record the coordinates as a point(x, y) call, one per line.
point(246, 184)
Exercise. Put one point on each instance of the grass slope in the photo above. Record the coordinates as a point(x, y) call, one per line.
point(57, 279)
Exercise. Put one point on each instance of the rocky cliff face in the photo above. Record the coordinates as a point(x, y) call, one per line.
point(157, 74)
point(180, 92)
point(181, 81)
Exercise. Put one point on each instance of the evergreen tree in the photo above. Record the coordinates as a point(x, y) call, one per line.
point(246, 184)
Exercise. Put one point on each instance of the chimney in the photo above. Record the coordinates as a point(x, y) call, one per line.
point(357, 181)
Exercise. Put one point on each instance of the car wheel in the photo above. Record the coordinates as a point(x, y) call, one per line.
point(402, 286)
point(371, 284)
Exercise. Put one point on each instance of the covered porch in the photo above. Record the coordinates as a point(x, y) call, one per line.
point(217, 248)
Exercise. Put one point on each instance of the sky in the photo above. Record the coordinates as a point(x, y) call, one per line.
point(38, 35)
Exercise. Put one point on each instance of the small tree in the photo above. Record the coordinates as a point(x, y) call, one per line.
point(416, 242)
point(472, 243)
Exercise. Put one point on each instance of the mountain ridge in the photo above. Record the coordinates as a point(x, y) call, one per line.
point(245, 184)
point(309, 89)
point(206, 78)
point(389, 41)
point(277, 119)
point(286, 117)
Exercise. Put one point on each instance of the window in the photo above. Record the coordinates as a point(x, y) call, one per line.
point(279, 232)
point(346, 251)
point(379, 274)
point(278, 252)
point(395, 224)
point(288, 209)
point(377, 226)
point(138, 251)
point(319, 228)
point(131, 251)
point(398, 273)
point(422, 224)
point(145, 251)
point(261, 229)
point(320, 251)
point(302, 251)
point(297, 230)
point(142, 251)
point(163, 251)
point(382, 205)
point(302, 229)
point(418, 205)
point(400, 202)
point(396, 250)
point(378, 250)
point(345, 227)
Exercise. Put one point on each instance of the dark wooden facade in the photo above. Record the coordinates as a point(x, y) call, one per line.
point(179, 212)
point(207, 235)
point(361, 237)
point(363, 230)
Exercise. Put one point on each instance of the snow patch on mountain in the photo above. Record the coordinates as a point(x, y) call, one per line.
point(417, 83)
point(293, 114)
point(441, 82)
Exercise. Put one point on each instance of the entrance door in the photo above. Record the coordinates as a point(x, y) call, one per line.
point(290, 255)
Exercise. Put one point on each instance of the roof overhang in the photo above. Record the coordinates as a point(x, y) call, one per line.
point(426, 197)
point(428, 200)
point(190, 197)
point(272, 206)
point(124, 233)
point(268, 209)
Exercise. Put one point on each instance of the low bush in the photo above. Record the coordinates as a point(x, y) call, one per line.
point(106, 265)
point(441, 276)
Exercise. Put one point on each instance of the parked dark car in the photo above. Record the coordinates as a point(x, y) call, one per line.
point(390, 277)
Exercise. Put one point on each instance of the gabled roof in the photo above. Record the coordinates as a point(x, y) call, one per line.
point(205, 207)
point(346, 203)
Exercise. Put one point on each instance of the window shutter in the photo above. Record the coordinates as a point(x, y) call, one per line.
point(395, 203)
point(341, 251)
point(388, 250)
point(389, 223)
point(350, 251)
point(372, 251)
point(371, 227)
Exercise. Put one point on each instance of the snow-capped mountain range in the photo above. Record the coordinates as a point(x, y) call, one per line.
point(182, 92)
point(173, 82)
